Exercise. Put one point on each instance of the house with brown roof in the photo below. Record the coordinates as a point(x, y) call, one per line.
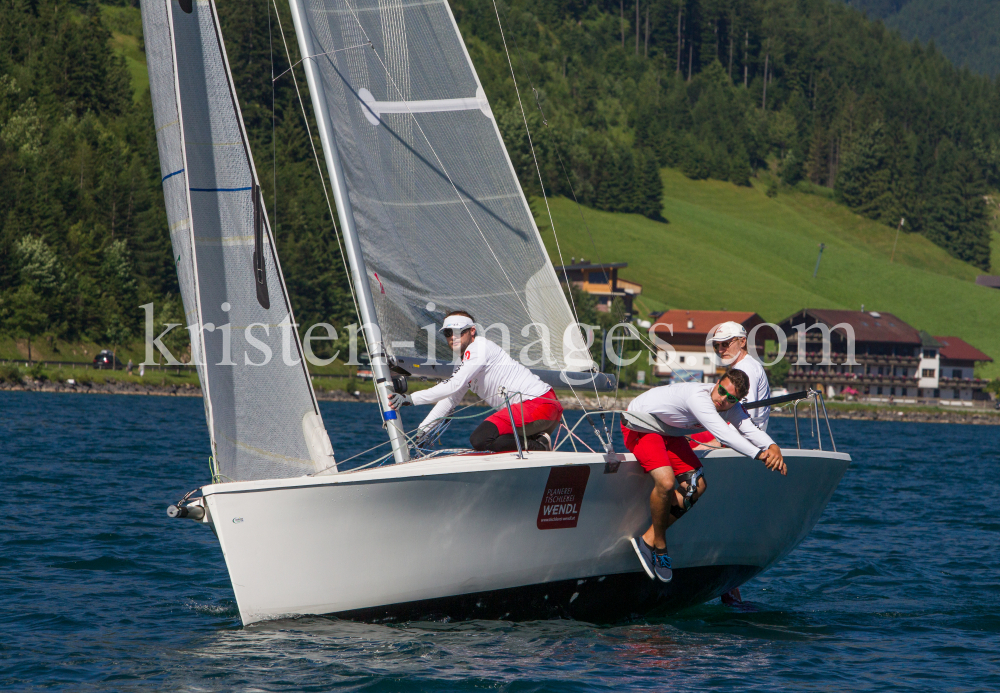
point(957, 372)
point(687, 331)
point(601, 280)
point(885, 360)
point(890, 358)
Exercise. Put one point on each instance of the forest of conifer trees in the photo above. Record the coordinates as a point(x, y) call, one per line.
point(612, 90)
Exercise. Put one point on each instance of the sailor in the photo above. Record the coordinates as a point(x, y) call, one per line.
point(730, 343)
point(676, 470)
point(489, 371)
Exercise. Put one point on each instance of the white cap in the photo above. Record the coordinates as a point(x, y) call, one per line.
point(457, 322)
point(728, 330)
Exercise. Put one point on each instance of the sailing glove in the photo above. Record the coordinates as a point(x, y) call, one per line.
point(397, 400)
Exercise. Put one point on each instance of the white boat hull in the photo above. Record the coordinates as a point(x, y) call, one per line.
point(467, 537)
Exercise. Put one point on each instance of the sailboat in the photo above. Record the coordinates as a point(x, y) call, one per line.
point(433, 218)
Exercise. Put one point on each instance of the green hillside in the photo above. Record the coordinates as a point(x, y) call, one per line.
point(125, 24)
point(734, 248)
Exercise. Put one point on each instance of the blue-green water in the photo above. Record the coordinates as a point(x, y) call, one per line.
point(897, 588)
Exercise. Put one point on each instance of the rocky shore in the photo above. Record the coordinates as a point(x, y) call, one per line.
point(904, 414)
point(109, 387)
point(860, 413)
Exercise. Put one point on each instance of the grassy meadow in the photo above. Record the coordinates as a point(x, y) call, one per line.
point(734, 248)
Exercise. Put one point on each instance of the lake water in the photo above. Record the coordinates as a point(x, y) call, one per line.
point(897, 587)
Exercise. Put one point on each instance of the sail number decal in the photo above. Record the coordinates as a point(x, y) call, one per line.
point(563, 497)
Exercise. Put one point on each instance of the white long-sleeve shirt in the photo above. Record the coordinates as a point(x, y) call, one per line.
point(689, 405)
point(759, 389)
point(485, 368)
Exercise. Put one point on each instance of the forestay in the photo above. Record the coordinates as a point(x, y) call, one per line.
point(442, 219)
point(259, 402)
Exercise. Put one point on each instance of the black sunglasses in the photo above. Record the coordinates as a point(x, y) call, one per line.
point(448, 332)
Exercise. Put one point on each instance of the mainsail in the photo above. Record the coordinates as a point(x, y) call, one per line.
point(441, 217)
point(261, 409)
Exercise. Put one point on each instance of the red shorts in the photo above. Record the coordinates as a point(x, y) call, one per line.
point(544, 408)
point(654, 451)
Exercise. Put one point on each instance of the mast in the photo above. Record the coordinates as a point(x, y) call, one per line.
point(356, 259)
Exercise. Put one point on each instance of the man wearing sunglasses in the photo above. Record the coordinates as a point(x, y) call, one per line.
point(486, 369)
point(676, 470)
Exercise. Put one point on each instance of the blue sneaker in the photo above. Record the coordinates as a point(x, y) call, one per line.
point(645, 554)
point(661, 565)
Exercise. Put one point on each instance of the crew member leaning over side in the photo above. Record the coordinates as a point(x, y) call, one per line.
point(676, 470)
point(485, 369)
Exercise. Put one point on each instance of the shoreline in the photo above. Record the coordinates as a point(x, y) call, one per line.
point(835, 410)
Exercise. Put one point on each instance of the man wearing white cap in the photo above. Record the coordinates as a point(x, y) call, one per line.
point(730, 343)
point(486, 369)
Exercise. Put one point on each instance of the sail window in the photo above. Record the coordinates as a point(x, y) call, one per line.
point(259, 268)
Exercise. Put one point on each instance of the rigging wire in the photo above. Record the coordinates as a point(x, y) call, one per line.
point(436, 156)
point(319, 169)
point(538, 169)
point(461, 199)
point(569, 181)
point(548, 210)
point(274, 142)
point(318, 55)
point(444, 169)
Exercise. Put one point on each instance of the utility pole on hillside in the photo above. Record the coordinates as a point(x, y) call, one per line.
point(891, 257)
point(822, 247)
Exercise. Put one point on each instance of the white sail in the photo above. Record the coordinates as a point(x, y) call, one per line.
point(441, 217)
point(259, 401)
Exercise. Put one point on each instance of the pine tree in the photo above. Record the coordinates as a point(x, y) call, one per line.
point(866, 175)
point(957, 218)
point(652, 188)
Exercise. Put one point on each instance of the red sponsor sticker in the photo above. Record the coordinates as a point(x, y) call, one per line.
point(563, 497)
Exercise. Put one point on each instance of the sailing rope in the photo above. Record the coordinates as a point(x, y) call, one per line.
point(320, 55)
point(545, 122)
point(635, 333)
point(319, 169)
point(274, 142)
point(461, 199)
point(411, 438)
point(555, 235)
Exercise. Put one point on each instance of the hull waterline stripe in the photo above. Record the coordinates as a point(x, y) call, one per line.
point(604, 599)
point(171, 175)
